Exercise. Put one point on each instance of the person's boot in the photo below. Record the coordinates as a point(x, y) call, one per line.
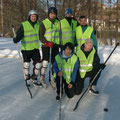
point(58, 97)
point(27, 80)
point(93, 90)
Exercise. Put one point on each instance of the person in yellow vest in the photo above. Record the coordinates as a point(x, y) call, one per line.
point(28, 34)
point(68, 27)
point(49, 36)
point(66, 66)
point(83, 31)
point(89, 64)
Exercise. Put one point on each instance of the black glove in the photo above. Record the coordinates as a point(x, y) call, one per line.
point(102, 66)
point(14, 40)
point(59, 45)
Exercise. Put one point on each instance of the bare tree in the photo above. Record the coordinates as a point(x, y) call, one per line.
point(2, 29)
point(109, 13)
point(16, 12)
point(47, 4)
point(55, 3)
point(117, 20)
point(74, 7)
point(89, 12)
point(69, 4)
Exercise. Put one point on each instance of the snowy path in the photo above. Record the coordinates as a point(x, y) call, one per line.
point(15, 102)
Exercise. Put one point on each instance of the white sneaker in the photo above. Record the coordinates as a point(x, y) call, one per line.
point(36, 83)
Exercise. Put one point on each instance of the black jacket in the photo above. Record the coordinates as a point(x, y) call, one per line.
point(20, 31)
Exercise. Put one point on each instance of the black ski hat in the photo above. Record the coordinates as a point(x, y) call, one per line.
point(52, 10)
point(69, 45)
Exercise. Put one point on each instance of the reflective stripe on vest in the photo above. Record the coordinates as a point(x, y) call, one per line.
point(85, 63)
point(81, 37)
point(68, 35)
point(55, 30)
point(67, 67)
point(31, 35)
point(30, 40)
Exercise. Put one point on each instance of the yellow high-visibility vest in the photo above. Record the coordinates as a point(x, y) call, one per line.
point(68, 32)
point(81, 37)
point(30, 40)
point(86, 64)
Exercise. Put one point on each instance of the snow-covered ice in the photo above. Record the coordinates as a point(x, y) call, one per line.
point(16, 104)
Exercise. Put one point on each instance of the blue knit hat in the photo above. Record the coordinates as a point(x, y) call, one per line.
point(68, 11)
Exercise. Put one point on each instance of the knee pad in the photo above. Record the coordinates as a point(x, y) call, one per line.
point(44, 67)
point(37, 67)
point(26, 67)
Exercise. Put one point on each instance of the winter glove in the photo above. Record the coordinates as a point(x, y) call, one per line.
point(102, 66)
point(49, 44)
point(61, 46)
point(58, 45)
point(14, 40)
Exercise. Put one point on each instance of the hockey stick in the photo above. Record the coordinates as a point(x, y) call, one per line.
point(87, 89)
point(73, 37)
point(72, 31)
point(50, 56)
point(60, 38)
point(20, 58)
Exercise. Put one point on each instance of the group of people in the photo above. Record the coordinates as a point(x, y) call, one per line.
point(74, 51)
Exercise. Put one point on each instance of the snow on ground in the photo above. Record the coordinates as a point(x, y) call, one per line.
point(16, 104)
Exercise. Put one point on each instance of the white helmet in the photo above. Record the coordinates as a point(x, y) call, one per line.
point(32, 12)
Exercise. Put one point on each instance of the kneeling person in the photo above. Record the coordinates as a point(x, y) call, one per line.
point(89, 64)
point(67, 68)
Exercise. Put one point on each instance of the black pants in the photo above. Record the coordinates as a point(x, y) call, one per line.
point(91, 75)
point(46, 53)
point(70, 92)
point(31, 54)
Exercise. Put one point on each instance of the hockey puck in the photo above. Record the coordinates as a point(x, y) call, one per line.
point(106, 109)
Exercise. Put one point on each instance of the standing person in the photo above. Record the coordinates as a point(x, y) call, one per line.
point(83, 32)
point(89, 64)
point(49, 36)
point(28, 34)
point(69, 71)
point(68, 27)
